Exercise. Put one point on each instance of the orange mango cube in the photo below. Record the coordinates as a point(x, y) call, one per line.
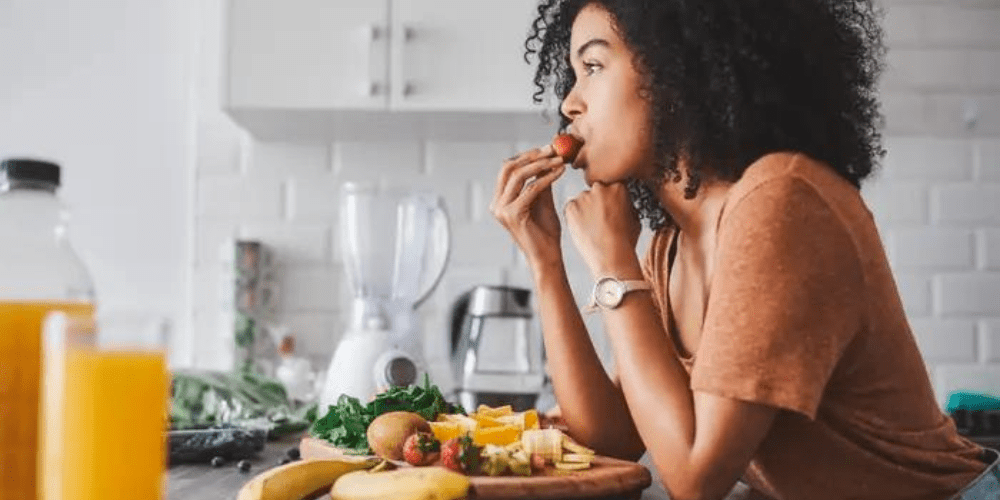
point(500, 435)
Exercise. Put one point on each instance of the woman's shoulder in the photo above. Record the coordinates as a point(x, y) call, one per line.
point(795, 181)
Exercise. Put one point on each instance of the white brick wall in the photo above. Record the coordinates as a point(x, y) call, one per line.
point(937, 200)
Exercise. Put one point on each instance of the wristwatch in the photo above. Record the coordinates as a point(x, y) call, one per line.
point(609, 292)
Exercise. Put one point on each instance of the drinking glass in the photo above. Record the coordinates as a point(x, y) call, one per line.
point(105, 407)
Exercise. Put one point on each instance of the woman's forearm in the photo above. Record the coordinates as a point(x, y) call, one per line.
point(592, 405)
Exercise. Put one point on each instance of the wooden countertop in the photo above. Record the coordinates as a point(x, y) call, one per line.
point(204, 482)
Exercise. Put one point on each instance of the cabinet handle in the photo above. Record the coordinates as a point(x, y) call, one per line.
point(409, 33)
point(409, 88)
point(372, 33)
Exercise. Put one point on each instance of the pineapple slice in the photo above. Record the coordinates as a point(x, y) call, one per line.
point(495, 460)
point(520, 463)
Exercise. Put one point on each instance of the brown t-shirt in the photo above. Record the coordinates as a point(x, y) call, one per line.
point(803, 315)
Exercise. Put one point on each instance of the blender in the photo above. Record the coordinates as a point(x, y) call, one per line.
point(395, 245)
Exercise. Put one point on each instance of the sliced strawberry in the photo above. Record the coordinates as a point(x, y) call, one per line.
point(461, 455)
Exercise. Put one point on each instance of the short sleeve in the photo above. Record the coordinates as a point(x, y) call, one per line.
point(785, 300)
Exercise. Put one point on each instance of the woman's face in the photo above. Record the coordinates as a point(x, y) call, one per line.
point(604, 105)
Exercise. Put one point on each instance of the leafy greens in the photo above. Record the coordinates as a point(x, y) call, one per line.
point(345, 424)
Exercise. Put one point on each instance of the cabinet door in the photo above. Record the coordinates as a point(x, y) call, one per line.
point(461, 55)
point(308, 54)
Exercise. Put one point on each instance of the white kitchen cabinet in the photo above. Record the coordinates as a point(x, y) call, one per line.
point(464, 55)
point(307, 54)
point(336, 67)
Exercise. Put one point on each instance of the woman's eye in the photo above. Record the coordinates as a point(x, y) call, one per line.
point(590, 67)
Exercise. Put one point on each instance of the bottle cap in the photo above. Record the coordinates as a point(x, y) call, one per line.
point(29, 170)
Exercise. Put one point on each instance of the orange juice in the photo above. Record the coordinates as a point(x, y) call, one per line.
point(20, 370)
point(114, 423)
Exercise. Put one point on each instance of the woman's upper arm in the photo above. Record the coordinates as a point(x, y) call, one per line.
point(729, 431)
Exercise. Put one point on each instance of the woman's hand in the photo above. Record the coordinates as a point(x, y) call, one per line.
point(523, 203)
point(605, 229)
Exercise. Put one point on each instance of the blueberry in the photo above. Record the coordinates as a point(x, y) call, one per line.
point(218, 461)
point(293, 453)
point(285, 460)
point(243, 465)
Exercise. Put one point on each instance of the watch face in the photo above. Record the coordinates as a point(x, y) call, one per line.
point(609, 292)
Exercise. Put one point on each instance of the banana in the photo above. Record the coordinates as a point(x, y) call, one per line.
point(546, 442)
point(585, 458)
point(572, 465)
point(296, 480)
point(410, 483)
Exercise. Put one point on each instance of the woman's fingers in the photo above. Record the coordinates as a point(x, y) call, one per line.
point(534, 188)
point(520, 177)
point(515, 162)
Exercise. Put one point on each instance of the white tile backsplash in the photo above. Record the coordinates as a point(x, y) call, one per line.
point(978, 26)
point(932, 248)
point(280, 159)
point(897, 203)
point(240, 197)
point(293, 243)
point(946, 340)
point(967, 294)
point(936, 202)
point(963, 204)
point(989, 249)
point(989, 335)
point(988, 160)
point(915, 292)
point(927, 159)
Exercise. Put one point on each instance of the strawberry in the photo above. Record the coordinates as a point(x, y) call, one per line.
point(537, 462)
point(566, 146)
point(460, 454)
point(421, 448)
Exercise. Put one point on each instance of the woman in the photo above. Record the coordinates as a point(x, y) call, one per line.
point(763, 336)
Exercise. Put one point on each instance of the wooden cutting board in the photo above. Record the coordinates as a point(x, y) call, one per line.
point(606, 477)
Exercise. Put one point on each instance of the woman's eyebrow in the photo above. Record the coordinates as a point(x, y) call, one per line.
point(590, 43)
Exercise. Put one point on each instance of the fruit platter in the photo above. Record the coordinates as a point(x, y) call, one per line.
point(416, 445)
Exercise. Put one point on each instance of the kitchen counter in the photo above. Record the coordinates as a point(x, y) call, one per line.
point(204, 482)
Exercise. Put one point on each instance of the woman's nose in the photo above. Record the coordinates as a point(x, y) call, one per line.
point(572, 106)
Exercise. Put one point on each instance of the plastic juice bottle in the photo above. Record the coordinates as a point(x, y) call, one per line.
point(39, 273)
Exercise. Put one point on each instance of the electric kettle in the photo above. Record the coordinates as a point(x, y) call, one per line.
point(497, 357)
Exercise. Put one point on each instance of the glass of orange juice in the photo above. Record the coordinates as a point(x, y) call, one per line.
point(104, 410)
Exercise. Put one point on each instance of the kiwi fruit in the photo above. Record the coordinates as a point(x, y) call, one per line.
point(387, 433)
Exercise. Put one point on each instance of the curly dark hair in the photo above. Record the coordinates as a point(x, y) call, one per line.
point(732, 80)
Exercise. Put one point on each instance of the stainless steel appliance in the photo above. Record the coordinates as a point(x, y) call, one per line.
point(497, 357)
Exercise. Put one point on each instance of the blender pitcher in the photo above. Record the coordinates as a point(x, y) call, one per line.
point(395, 245)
